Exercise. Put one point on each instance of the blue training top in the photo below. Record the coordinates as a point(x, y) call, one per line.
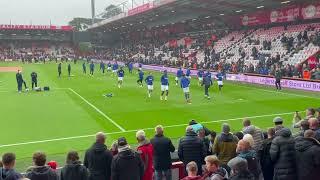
point(149, 80)
point(185, 82)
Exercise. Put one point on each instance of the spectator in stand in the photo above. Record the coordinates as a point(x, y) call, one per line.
point(296, 72)
point(114, 148)
point(282, 153)
point(255, 132)
point(212, 137)
point(303, 127)
point(265, 159)
point(308, 156)
point(314, 126)
point(161, 154)
point(127, 164)
point(246, 152)
point(316, 74)
point(213, 170)
point(191, 148)
point(239, 135)
point(239, 169)
point(98, 159)
point(145, 149)
point(192, 170)
point(40, 171)
point(225, 145)
point(310, 113)
point(205, 140)
point(73, 168)
point(7, 172)
point(278, 121)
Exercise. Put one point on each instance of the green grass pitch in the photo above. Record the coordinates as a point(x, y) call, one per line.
point(66, 117)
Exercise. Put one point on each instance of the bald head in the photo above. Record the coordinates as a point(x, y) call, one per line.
point(313, 123)
point(159, 130)
point(100, 138)
point(189, 129)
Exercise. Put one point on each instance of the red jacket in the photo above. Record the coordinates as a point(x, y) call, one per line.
point(146, 151)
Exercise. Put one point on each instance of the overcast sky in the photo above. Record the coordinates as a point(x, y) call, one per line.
point(40, 12)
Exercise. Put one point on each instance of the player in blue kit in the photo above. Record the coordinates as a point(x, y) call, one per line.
point(188, 73)
point(164, 85)
point(115, 68)
point(219, 77)
point(120, 77)
point(179, 75)
point(130, 67)
point(149, 80)
point(108, 67)
point(91, 68)
point(102, 67)
point(139, 66)
point(208, 73)
point(185, 83)
point(140, 78)
point(200, 76)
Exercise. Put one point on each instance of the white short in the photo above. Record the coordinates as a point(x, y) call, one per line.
point(220, 83)
point(164, 87)
point(114, 71)
point(186, 90)
point(200, 79)
point(109, 68)
point(120, 78)
point(150, 87)
point(140, 69)
point(177, 79)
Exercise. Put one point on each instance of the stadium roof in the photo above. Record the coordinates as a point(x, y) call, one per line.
point(164, 12)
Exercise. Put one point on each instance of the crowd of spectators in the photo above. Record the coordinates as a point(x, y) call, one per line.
point(250, 154)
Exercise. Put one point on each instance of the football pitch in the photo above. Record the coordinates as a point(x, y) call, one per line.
point(67, 117)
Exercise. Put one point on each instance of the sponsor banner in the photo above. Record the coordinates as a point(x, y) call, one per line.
point(35, 27)
point(268, 81)
point(140, 9)
point(311, 11)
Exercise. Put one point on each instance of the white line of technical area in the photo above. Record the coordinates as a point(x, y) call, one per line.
point(98, 110)
point(128, 131)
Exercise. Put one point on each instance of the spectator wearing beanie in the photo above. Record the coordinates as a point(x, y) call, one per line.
point(213, 170)
point(282, 154)
point(7, 172)
point(239, 169)
point(239, 135)
point(127, 164)
point(265, 159)
point(98, 159)
point(225, 145)
point(314, 125)
point(308, 156)
point(73, 168)
point(245, 151)
point(192, 170)
point(191, 148)
point(145, 149)
point(40, 171)
point(256, 133)
point(161, 155)
point(277, 121)
point(197, 126)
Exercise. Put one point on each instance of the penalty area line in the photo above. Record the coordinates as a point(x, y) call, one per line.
point(128, 131)
point(98, 110)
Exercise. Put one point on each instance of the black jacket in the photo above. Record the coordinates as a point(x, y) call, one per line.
point(127, 165)
point(282, 153)
point(265, 160)
point(98, 160)
point(41, 173)
point(9, 174)
point(74, 171)
point(161, 155)
point(243, 176)
point(308, 158)
point(191, 148)
point(19, 78)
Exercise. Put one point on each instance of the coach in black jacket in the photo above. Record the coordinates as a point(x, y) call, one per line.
point(161, 156)
point(191, 148)
point(98, 159)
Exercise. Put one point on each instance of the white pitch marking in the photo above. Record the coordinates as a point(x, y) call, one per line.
point(128, 131)
point(98, 110)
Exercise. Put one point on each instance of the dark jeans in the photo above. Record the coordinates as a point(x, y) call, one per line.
point(206, 90)
point(160, 174)
point(19, 86)
point(34, 84)
point(278, 84)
